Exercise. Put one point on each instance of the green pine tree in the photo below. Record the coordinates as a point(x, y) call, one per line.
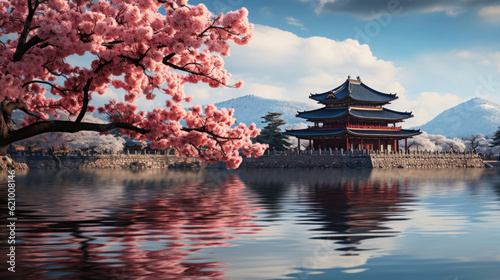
point(271, 134)
point(496, 139)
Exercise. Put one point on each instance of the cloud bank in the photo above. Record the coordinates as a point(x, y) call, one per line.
point(280, 65)
point(366, 9)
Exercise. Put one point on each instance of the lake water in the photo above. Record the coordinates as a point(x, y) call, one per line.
point(256, 224)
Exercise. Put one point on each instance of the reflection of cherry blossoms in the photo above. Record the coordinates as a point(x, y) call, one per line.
point(152, 239)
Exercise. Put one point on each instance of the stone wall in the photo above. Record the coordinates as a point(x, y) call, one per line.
point(308, 161)
point(426, 160)
point(6, 163)
point(289, 159)
point(107, 161)
point(363, 159)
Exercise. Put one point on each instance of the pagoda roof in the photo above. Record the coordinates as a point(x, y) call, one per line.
point(385, 114)
point(396, 133)
point(356, 132)
point(315, 132)
point(356, 90)
point(323, 113)
point(330, 113)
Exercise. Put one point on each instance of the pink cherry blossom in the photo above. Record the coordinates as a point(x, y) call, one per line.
point(133, 47)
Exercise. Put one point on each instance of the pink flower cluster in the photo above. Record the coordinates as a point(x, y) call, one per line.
point(138, 49)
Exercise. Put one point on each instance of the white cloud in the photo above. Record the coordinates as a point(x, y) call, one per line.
point(295, 22)
point(110, 94)
point(367, 10)
point(279, 64)
point(266, 91)
point(198, 93)
point(491, 13)
point(305, 65)
point(425, 107)
point(266, 11)
point(464, 73)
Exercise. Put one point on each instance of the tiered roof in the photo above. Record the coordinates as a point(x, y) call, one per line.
point(357, 132)
point(355, 100)
point(356, 90)
point(328, 113)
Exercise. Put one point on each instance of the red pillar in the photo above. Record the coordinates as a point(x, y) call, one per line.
point(323, 143)
point(394, 145)
point(298, 144)
point(361, 143)
point(406, 144)
point(379, 144)
point(347, 142)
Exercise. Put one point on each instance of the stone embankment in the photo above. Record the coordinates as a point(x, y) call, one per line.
point(107, 161)
point(364, 159)
point(7, 163)
point(288, 159)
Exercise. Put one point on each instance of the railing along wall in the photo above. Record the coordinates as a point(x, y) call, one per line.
point(337, 152)
point(89, 153)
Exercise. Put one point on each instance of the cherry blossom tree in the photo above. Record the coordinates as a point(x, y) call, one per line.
point(435, 143)
point(481, 144)
point(133, 47)
point(82, 140)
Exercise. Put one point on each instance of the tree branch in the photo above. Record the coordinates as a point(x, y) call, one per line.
point(64, 126)
point(165, 61)
point(22, 45)
point(83, 111)
point(47, 83)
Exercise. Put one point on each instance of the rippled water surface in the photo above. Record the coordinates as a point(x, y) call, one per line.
point(266, 224)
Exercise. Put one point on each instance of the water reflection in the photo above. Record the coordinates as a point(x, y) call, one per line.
point(351, 212)
point(152, 238)
point(257, 224)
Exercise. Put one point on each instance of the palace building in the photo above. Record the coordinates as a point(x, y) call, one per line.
point(354, 117)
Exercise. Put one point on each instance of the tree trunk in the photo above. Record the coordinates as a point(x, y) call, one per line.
point(56, 159)
point(10, 134)
point(3, 150)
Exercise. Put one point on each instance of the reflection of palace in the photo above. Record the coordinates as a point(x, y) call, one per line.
point(151, 239)
point(350, 212)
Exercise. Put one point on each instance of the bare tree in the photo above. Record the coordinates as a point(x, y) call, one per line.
point(416, 144)
point(474, 141)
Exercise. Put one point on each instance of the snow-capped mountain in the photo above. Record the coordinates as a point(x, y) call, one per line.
point(250, 108)
point(475, 116)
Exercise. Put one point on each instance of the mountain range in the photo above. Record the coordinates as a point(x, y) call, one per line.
point(475, 116)
point(250, 108)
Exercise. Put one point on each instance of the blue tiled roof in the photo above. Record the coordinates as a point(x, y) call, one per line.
point(356, 132)
point(330, 113)
point(323, 113)
point(355, 90)
point(384, 114)
point(315, 132)
point(397, 133)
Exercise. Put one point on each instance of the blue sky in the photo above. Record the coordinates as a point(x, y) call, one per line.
point(434, 54)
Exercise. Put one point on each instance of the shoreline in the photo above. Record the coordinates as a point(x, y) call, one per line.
point(326, 159)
